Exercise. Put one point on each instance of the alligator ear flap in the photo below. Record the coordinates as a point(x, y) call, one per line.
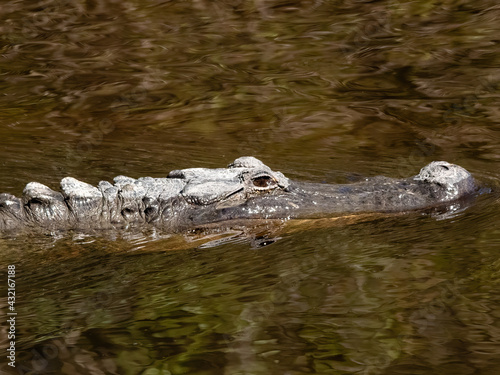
point(210, 192)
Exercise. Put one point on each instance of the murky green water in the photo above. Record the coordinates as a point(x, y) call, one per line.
point(321, 90)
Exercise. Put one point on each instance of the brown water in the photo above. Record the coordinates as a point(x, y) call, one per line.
point(321, 90)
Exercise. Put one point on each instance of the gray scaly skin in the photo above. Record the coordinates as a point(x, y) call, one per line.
point(246, 189)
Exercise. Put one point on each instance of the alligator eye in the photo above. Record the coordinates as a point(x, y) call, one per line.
point(263, 181)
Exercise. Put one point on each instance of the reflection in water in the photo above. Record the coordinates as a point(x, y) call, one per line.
point(371, 297)
point(95, 89)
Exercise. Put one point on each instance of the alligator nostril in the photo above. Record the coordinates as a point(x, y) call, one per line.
point(445, 167)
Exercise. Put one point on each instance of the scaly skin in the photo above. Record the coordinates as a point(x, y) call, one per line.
point(247, 189)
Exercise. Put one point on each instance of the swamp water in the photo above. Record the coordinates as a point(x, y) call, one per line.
point(327, 91)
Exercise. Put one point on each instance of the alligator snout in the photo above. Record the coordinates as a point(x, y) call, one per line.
point(457, 180)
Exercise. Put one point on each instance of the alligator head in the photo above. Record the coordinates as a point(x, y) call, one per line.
point(276, 197)
point(246, 189)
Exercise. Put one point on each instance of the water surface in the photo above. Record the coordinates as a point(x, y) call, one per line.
point(328, 91)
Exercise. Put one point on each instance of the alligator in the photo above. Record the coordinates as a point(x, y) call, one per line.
point(247, 189)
